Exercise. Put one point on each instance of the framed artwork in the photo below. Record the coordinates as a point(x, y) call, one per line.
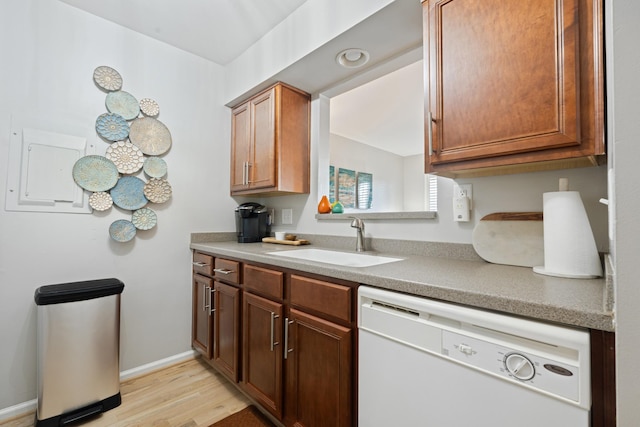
point(347, 187)
point(332, 184)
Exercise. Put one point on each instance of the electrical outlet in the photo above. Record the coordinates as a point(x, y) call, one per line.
point(462, 197)
point(287, 216)
point(462, 190)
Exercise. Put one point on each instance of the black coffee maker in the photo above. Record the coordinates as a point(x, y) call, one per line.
point(252, 222)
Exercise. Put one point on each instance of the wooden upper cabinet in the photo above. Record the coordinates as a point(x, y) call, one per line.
point(240, 146)
point(270, 143)
point(512, 86)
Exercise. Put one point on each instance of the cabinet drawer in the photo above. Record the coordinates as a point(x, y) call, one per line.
point(227, 270)
point(203, 264)
point(263, 281)
point(324, 297)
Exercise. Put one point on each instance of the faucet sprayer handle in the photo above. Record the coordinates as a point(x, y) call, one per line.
point(357, 223)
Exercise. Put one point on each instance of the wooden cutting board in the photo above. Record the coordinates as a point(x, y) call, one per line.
point(285, 242)
point(511, 238)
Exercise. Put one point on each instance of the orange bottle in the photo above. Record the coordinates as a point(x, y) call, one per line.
point(324, 206)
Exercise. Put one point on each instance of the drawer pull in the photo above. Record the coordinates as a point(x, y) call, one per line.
point(273, 327)
point(223, 271)
point(200, 264)
point(287, 350)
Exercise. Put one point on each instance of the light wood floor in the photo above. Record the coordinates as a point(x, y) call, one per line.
point(188, 394)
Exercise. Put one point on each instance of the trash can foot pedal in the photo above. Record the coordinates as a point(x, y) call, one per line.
point(82, 413)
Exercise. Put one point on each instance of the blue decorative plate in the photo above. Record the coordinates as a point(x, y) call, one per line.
point(129, 193)
point(112, 127)
point(123, 103)
point(144, 219)
point(155, 167)
point(95, 173)
point(122, 230)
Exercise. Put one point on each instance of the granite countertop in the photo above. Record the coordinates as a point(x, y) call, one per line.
point(449, 272)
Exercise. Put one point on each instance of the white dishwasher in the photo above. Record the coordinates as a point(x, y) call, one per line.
point(428, 363)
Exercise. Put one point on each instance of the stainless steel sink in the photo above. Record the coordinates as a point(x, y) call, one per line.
point(346, 259)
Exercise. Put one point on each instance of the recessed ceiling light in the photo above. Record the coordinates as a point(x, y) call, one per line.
point(352, 58)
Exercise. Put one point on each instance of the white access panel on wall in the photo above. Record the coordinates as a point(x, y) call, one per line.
point(40, 171)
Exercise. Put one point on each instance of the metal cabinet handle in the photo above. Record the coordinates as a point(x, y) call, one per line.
point(430, 131)
point(200, 264)
point(206, 305)
point(273, 326)
point(244, 172)
point(223, 271)
point(211, 306)
point(287, 350)
point(249, 166)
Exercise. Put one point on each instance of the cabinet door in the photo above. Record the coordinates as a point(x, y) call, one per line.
point(262, 352)
point(505, 82)
point(240, 146)
point(202, 322)
point(319, 372)
point(262, 168)
point(226, 329)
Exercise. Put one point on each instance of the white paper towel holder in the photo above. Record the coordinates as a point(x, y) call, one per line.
point(569, 247)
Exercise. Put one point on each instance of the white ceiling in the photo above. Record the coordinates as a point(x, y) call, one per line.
point(385, 111)
point(207, 28)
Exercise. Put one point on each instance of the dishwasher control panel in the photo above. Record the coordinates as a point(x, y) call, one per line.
point(513, 363)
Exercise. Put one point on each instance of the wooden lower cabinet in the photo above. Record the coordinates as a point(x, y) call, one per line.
point(262, 351)
point(226, 330)
point(286, 339)
point(202, 322)
point(319, 372)
point(215, 329)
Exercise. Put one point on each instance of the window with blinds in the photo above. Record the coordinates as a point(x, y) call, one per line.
point(364, 190)
point(430, 193)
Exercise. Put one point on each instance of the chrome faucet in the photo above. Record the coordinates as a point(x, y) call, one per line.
point(358, 224)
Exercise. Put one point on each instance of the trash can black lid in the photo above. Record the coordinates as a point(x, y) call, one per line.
point(77, 291)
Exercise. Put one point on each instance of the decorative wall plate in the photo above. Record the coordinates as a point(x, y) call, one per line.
point(107, 78)
point(144, 219)
point(157, 190)
point(127, 157)
point(95, 173)
point(150, 135)
point(112, 127)
point(122, 230)
point(100, 201)
point(123, 103)
point(149, 107)
point(155, 167)
point(129, 193)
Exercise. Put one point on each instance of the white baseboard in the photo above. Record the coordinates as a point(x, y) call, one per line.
point(25, 408)
point(158, 364)
point(18, 410)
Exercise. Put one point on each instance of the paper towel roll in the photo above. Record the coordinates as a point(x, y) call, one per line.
point(569, 247)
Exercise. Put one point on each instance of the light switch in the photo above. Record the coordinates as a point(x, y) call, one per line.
point(287, 216)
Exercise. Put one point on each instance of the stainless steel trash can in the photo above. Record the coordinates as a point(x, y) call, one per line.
point(78, 350)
